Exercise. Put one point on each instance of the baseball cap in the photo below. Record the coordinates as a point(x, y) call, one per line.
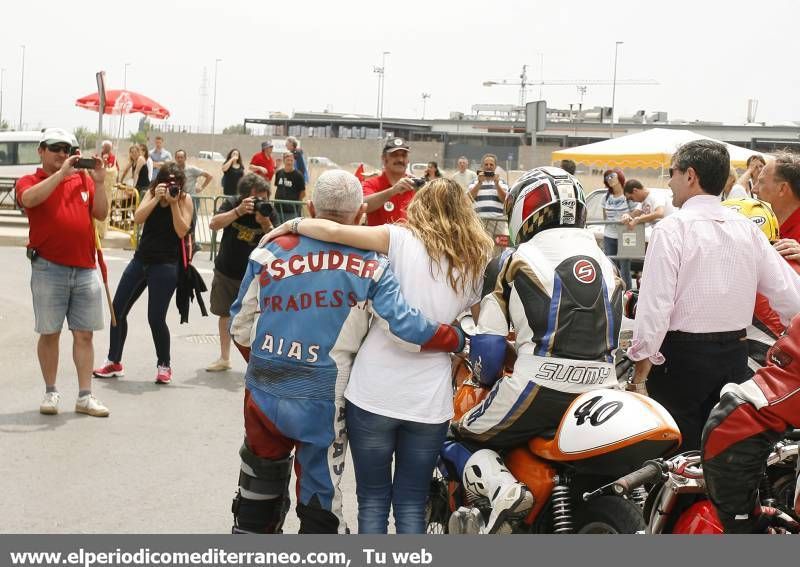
point(267, 144)
point(394, 144)
point(58, 135)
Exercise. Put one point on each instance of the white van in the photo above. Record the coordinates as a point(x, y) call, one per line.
point(213, 156)
point(18, 157)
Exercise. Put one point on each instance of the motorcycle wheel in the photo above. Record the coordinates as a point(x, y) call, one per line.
point(437, 510)
point(609, 515)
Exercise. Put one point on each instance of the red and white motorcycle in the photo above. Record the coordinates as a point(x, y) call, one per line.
point(677, 502)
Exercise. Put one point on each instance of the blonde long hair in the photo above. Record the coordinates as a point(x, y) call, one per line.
point(442, 217)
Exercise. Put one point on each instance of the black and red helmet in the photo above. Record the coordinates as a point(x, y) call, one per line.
point(545, 197)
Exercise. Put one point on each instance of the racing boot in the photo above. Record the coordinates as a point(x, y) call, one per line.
point(486, 476)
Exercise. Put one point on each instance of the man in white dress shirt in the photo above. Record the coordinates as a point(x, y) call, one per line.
point(703, 268)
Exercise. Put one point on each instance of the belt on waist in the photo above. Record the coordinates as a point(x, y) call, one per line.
point(723, 337)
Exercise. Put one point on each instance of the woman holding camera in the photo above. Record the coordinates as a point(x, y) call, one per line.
point(232, 171)
point(166, 213)
point(399, 403)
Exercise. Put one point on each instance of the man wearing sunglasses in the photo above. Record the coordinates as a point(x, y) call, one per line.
point(61, 204)
point(701, 274)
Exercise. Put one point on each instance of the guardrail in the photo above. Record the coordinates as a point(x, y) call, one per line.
point(207, 207)
point(124, 201)
point(8, 193)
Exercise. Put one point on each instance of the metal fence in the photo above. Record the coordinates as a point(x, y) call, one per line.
point(124, 201)
point(8, 193)
point(206, 207)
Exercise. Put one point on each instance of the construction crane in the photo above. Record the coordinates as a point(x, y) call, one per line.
point(524, 83)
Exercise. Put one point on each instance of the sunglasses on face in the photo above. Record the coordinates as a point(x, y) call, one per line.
point(59, 148)
point(611, 176)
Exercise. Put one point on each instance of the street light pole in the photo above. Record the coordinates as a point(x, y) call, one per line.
point(541, 75)
point(381, 72)
point(125, 76)
point(2, 73)
point(22, 87)
point(425, 97)
point(614, 86)
point(214, 105)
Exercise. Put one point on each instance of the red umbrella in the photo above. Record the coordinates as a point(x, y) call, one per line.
point(124, 102)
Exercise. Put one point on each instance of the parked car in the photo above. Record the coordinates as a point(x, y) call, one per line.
point(213, 156)
point(417, 169)
point(321, 161)
point(18, 157)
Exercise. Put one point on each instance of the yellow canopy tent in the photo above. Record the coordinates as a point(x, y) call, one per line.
point(652, 148)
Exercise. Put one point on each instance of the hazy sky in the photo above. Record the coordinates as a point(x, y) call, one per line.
point(308, 55)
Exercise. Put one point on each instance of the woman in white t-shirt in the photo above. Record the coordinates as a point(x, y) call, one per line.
point(399, 403)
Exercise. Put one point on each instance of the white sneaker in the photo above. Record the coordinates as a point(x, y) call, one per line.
point(219, 365)
point(49, 405)
point(91, 406)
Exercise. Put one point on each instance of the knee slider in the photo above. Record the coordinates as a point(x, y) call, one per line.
point(262, 478)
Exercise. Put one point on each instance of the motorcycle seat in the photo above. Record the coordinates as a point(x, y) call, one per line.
point(793, 435)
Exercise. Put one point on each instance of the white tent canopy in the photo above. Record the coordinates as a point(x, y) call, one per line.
point(652, 148)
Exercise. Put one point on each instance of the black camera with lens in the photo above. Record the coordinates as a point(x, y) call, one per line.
point(263, 207)
point(418, 182)
point(173, 186)
point(486, 173)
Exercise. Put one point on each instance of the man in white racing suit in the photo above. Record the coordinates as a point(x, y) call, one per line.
point(563, 297)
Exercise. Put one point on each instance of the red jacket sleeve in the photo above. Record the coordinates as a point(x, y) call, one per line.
point(764, 313)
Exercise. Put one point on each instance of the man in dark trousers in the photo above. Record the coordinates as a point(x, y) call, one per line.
point(703, 269)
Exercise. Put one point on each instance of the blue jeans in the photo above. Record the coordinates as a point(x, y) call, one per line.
point(374, 441)
point(63, 292)
point(610, 245)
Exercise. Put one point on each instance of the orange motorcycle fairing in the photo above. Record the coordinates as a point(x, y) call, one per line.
point(537, 475)
point(468, 395)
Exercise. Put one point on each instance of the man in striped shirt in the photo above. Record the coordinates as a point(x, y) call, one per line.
point(489, 193)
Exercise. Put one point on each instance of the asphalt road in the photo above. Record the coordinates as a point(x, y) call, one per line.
point(165, 461)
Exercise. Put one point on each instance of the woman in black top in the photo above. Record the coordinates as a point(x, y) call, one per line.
point(232, 171)
point(166, 212)
point(432, 171)
point(137, 165)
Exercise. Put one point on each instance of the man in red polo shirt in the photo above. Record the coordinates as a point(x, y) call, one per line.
point(61, 203)
point(387, 195)
point(262, 162)
point(779, 185)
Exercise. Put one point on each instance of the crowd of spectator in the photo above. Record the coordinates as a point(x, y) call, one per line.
point(293, 284)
